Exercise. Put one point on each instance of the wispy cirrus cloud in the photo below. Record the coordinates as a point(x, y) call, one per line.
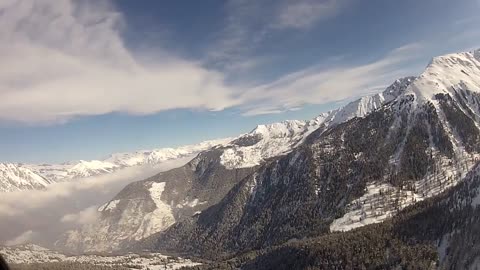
point(248, 23)
point(304, 13)
point(319, 85)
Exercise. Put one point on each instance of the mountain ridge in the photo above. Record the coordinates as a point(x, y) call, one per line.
point(356, 173)
point(239, 157)
point(21, 176)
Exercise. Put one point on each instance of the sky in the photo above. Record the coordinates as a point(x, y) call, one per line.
point(83, 79)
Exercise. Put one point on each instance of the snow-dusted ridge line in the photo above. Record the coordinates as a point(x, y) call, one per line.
point(19, 176)
point(444, 75)
point(267, 141)
point(246, 150)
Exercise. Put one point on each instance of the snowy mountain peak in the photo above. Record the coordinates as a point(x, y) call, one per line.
point(267, 141)
point(459, 71)
point(397, 88)
point(281, 129)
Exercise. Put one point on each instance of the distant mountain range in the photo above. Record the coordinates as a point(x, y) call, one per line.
point(20, 176)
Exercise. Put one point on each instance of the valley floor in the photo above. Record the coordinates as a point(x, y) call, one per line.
point(25, 256)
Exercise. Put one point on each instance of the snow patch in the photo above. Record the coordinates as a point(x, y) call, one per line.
point(158, 220)
point(109, 206)
point(380, 202)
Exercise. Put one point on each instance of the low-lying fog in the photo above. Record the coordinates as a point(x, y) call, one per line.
point(42, 216)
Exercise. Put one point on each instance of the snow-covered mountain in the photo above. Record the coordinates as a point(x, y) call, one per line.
point(14, 177)
point(20, 176)
point(347, 168)
point(268, 141)
point(413, 145)
point(247, 150)
point(153, 205)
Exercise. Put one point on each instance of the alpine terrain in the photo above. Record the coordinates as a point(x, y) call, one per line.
point(20, 176)
point(153, 205)
point(389, 181)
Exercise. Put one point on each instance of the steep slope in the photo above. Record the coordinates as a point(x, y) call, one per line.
point(352, 174)
point(14, 177)
point(268, 141)
point(132, 215)
point(152, 205)
point(439, 233)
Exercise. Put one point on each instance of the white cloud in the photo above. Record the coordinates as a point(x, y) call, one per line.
point(23, 238)
point(65, 206)
point(299, 14)
point(249, 22)
point(86, 216)
point(318, 86)
point(64, 58)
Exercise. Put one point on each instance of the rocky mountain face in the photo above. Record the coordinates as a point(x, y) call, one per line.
point(20, 176)
point(363, 171)
point(14, 177)
point(151, 206)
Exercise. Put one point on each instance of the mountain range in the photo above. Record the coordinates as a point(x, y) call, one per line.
point(21, 176)
point(153, 205)
point(389, 181)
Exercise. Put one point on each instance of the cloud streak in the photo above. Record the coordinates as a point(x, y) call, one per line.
point(319, 85)
point(248, 23)
point(303, 14)
point(63, 58)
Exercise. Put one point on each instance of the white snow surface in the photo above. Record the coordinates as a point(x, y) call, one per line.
point(109, 206)
point(19, 176)
point(36, 254)
point(447, 73)
point(14, 177)
point(136, 220)
point(158, 220)
point(377, 204)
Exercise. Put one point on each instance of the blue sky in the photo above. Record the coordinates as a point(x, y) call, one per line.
point(82, 79)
